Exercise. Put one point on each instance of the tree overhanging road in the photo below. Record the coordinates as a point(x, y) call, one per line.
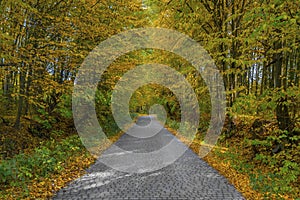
point(188, 177)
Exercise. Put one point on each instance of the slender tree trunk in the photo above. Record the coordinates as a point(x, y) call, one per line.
point(282, 111)
point(21, 98)
point(27, 93)
point(263, 79)
point(297, 74)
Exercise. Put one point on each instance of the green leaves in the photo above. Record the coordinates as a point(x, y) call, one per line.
point(42, 162)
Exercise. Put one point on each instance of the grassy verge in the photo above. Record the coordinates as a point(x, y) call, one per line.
point(243, 173)
point(46, 169)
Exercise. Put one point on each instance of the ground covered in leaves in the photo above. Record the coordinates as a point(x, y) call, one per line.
point(253, 176)
point(40, 172)
point(39, 169)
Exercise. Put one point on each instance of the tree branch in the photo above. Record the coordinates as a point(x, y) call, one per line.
point(7, 64)
point(188, 5)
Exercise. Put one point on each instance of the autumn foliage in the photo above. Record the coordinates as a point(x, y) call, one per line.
point(255, 45)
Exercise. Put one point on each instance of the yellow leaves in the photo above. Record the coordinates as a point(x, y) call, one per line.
point(239, 180)
point(44, 188)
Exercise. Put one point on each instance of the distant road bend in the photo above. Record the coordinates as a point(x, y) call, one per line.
point(189, 177)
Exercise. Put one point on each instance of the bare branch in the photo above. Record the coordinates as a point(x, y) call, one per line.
point(7, 64)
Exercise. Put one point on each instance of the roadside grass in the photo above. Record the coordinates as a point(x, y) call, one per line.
point(254, 181)
point(42, 169)
point(40, 172)
point(48, 168)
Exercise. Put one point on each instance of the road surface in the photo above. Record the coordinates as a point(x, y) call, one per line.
point(189, 177)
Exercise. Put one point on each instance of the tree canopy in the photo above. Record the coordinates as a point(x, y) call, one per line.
point(255, 46)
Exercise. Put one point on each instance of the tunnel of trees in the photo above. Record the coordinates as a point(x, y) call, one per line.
point(255, 46)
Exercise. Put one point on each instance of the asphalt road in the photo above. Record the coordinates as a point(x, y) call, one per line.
point(189, 177)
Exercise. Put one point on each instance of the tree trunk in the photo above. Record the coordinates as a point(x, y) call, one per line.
point(21, 99)
point(282, 111)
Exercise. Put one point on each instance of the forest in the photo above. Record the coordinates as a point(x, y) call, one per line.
point(255, 45)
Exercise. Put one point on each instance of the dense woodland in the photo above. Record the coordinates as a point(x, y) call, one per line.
point(255, 45)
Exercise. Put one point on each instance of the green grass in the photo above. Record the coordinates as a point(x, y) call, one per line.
point(43, 161)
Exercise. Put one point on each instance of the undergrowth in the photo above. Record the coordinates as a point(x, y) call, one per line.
point(45, 160)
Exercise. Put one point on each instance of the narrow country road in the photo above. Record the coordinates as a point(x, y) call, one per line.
point(188, 177)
